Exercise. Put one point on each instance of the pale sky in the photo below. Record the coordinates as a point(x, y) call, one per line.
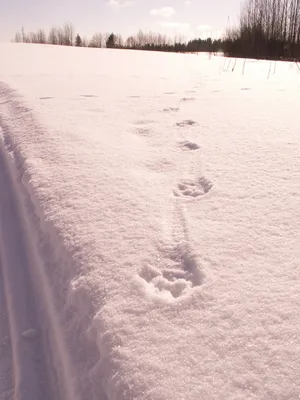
point(191, 18)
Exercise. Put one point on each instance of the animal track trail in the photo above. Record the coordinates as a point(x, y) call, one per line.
point(193, 189)
point(178, 270)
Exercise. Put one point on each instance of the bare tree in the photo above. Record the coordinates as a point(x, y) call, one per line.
point(97, 40)
point(131, 42)
point(41, 36)
point(119, 43)
point(32, 37)
point(60, 37)
point(69, 34)
point(53, 36)
point(17, 38)
point(24, 36)
point(84, 42)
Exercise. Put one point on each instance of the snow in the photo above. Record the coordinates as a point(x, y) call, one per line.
point(159, 194)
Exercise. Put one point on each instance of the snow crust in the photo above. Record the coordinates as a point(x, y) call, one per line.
point(165, 188)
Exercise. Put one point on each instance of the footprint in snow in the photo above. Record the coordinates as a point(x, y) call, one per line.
point(185, 99)
point(181, 273)
point(144, 122)
point(143, 131)
point(170, 109)
point(187, 145)
point(187, 122)
point(190, 188)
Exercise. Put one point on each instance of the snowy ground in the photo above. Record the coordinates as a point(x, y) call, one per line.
point(149, 226)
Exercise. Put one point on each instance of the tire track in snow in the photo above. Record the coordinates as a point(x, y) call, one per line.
point(6, 377)
point(63, 320)
point(29, 369)
point(40, 365)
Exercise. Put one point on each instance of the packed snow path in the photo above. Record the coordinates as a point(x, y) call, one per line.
point(26, 335)
point(154, 212)
point(30, 338)
point(35, 348)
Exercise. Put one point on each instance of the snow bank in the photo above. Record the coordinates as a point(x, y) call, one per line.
point(167, 187)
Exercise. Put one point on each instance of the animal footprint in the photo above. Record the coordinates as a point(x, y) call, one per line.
point(189, 188)
point(143, 132)
point(144, 122)
point(187, 99)
point(186, 145)
point(179, 276)
point(88, 95)
point(170, 109)
point(187, 122)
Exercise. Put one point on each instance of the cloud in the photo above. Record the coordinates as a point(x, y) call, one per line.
point(165, 12)
point(120, 3)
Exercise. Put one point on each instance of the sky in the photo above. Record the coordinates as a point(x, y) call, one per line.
point(188, 18)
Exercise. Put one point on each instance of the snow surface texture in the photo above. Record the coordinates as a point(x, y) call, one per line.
point(149, 226)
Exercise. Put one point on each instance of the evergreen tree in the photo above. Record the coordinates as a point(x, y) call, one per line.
point(78, 41)
point(111, 41)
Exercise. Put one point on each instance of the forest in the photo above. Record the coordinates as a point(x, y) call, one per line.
point(268, 29)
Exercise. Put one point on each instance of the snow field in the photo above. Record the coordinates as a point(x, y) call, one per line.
point(168, 193)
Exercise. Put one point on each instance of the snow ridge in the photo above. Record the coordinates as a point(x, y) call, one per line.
point(36, 288)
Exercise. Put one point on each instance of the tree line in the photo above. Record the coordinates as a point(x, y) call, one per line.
point(268, 29)
point(65, 36)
